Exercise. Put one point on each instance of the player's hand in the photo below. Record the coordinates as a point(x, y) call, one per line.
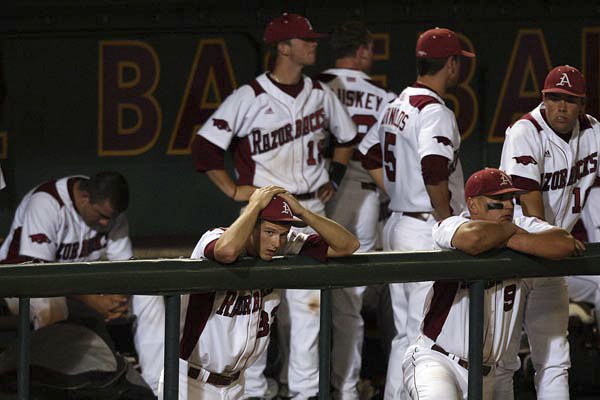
point(263, 196)
point(110, 306)
point(579, 248)
point(326, 192)
point(295, 205)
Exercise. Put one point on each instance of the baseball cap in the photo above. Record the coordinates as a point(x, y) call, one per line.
point(290, 26)
point(440, 43)
point(489, 182)
point(278, 210)
point(565, 79)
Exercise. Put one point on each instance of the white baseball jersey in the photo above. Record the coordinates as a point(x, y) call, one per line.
point(591, 215)
point(47, 227)
point(564, 172)
point(415, 125)
point(226, 331)
point(364, 101)
point(447, 305)
point(276, 138)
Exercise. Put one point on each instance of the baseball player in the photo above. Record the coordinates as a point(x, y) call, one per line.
point(417, 140)
point(76, 219)
point(226, 331)
point(352, 45)
point(552, 154)
point(277, 126)
point(435, 367)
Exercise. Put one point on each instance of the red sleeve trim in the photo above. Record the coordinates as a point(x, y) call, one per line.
point(435, 169)
point(584, 122)
point(316, 84)
point(209, 250)
point(315, 247)
point(525, 183)
point(530, 118)
point(421, 101)
point(206, 155)
point(326, 78)
point(50, 188)
point(372, 160)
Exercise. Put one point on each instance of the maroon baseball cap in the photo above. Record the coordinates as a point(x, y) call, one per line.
point(290, 26)
point(279, 211)
point(489, 182)
point(440, 43)
point(565, 79)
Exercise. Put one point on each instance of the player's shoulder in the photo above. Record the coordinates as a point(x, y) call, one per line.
point(587, 121)
point(421, 97)
point(530, 121)
point(208, 237)
point(48, 191)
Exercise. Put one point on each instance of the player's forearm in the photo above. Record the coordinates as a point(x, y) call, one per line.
point(342, 154)
point(224, 182)
point(336, 236)
point(233, 241)
point(532, 204)
point(475, 237)
point(554, 244)
point(377, 175)
point(439, 196)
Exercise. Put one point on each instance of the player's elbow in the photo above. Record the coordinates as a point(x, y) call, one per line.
point(350, 246)
point(563, 248)
point(225, 255)
point(472, 242)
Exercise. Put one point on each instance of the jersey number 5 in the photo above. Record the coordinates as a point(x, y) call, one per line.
point(388, 156)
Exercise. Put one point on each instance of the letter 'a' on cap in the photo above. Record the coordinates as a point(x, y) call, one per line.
point(565, 79)
point(290, 26)
point(440, 43)
point(279, 211)
point(489, 182)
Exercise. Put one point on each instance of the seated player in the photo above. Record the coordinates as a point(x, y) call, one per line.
point(436, 366)
point(226, 331)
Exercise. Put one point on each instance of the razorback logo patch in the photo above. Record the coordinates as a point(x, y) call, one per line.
point(525, 160)
point(443, 140)
point(221, 124)
point(40, 238)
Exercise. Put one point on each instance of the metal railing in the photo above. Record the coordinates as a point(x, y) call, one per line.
point(171, 277)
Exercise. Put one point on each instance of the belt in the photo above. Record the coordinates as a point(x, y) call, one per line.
point(368, 186)
point(421, 216)
point(214, 379)
point(306, 196)
point(486, 369)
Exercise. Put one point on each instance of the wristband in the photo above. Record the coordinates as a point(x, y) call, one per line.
point(336, 173)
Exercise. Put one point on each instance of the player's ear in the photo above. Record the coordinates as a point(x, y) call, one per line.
point(473, 206)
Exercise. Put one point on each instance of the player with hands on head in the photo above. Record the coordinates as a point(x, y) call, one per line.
point(225, 332)
point(436, 364)
point(551, 153)
point(412, 154)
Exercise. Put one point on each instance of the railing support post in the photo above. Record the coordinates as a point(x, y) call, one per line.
point(476, 292)
point(171, 378)
point(325, 345)
point(24, 336)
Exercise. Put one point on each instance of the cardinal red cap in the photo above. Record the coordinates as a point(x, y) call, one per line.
point(279, 211)
point(290, 26)
point(440, 43)
point(489, 182)
point(565, 79)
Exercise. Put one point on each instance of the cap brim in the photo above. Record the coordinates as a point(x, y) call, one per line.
point(467, 54)
point(295, 222)
point(563, 91)
point(504, 191)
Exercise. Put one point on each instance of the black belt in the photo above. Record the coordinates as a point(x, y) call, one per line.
point(421, 216)
point(214, 379)
point(486, 369)
point(306, 196)
point(368, 186)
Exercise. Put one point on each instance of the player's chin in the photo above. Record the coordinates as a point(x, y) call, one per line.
point(267, 256)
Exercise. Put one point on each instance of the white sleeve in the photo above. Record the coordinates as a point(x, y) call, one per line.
point(444, 231)
point(339, 122)
point(119, 244)
point(522, 153)
point(227, 121)
point(208, 237)
point(41, 222)
point(372, 136)
point(532, 224)
point(436, 133)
